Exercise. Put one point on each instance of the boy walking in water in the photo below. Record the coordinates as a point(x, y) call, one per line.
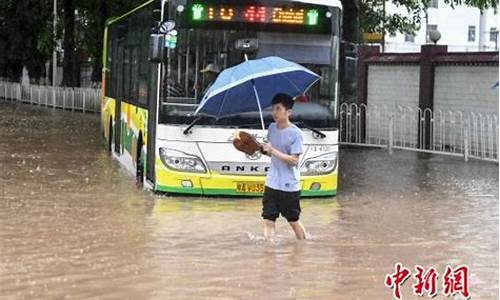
point(282, 189)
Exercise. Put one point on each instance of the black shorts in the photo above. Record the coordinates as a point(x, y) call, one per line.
point(276, 202)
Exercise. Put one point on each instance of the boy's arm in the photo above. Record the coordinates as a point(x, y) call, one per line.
point(292, 159)
point(295, 150)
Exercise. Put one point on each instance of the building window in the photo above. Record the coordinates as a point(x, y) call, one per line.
point(493, 34)
point(433, 3)
point(409, 38)
point(430, 28)
point(472, 34)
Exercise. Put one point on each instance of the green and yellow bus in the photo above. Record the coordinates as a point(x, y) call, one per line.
point(152, 85)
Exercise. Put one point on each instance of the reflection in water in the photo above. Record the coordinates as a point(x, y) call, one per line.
point(73, 224)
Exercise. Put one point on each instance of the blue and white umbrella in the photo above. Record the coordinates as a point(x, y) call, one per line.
point(251, 86)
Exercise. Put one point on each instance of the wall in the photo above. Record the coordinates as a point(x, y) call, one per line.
point(390, 86)
point(432, 80)
point(463, 94)
point(393, 85)
point(466, 88)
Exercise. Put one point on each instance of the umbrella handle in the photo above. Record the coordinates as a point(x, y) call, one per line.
point(258, 104)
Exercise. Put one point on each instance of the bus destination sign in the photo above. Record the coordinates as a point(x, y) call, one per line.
point(201, 12)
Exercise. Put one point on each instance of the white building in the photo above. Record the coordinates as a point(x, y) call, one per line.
point(462, 28)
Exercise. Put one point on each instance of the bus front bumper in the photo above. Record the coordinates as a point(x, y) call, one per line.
point(230, 185)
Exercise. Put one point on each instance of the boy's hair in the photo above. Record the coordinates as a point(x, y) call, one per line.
point(284, 99)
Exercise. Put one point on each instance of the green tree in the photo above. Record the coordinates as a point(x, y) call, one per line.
point(26, 36)
point(70, 63)
point(370, 16)
point(95, 13)
point(21, 28)
point(27, 39)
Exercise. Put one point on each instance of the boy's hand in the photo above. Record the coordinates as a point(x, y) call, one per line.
point(268, 149)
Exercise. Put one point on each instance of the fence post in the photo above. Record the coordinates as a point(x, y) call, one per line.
point(73, 99)
point(348, 125)
point(53, 97)
point(391, 133)
point(466, 144)
point(83, 104)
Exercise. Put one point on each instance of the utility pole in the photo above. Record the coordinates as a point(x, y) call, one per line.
point(482, 27)
point(383, 29)
point(54, 53)
point(426, 26)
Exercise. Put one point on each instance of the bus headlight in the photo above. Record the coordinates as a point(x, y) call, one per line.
point(180, 161)
point(319, 165)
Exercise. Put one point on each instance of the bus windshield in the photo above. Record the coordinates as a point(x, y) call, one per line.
point(183, 83)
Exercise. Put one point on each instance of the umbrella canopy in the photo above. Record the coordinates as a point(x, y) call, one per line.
point(251, 86)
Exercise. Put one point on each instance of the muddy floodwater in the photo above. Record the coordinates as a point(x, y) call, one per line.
point(73, 224)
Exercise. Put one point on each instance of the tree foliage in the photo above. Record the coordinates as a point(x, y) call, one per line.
point(370, 15)
point(21, 30)
point(87, 35)
point(481, 4)
point(94, 16)
point(374, 16)
point(27, 39)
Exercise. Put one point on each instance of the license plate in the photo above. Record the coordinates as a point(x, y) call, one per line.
point(249, 187)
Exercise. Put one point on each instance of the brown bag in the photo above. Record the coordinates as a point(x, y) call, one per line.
point(245, 142)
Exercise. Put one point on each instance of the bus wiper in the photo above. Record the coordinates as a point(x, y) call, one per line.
point(319, 133)
point(187, 130)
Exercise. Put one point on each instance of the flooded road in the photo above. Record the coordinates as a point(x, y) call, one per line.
point(74, 225)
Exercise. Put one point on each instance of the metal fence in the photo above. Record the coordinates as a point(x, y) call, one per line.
point(466, 134)
point(81, 99)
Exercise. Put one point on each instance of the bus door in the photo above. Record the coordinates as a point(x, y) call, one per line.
point(119, 95)
point(152, 112)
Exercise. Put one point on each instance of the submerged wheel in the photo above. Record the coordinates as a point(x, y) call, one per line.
point(139, 163)
point(110, 135)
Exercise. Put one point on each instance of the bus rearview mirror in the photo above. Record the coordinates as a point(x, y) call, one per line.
point(156, 46)
point(246, 45)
